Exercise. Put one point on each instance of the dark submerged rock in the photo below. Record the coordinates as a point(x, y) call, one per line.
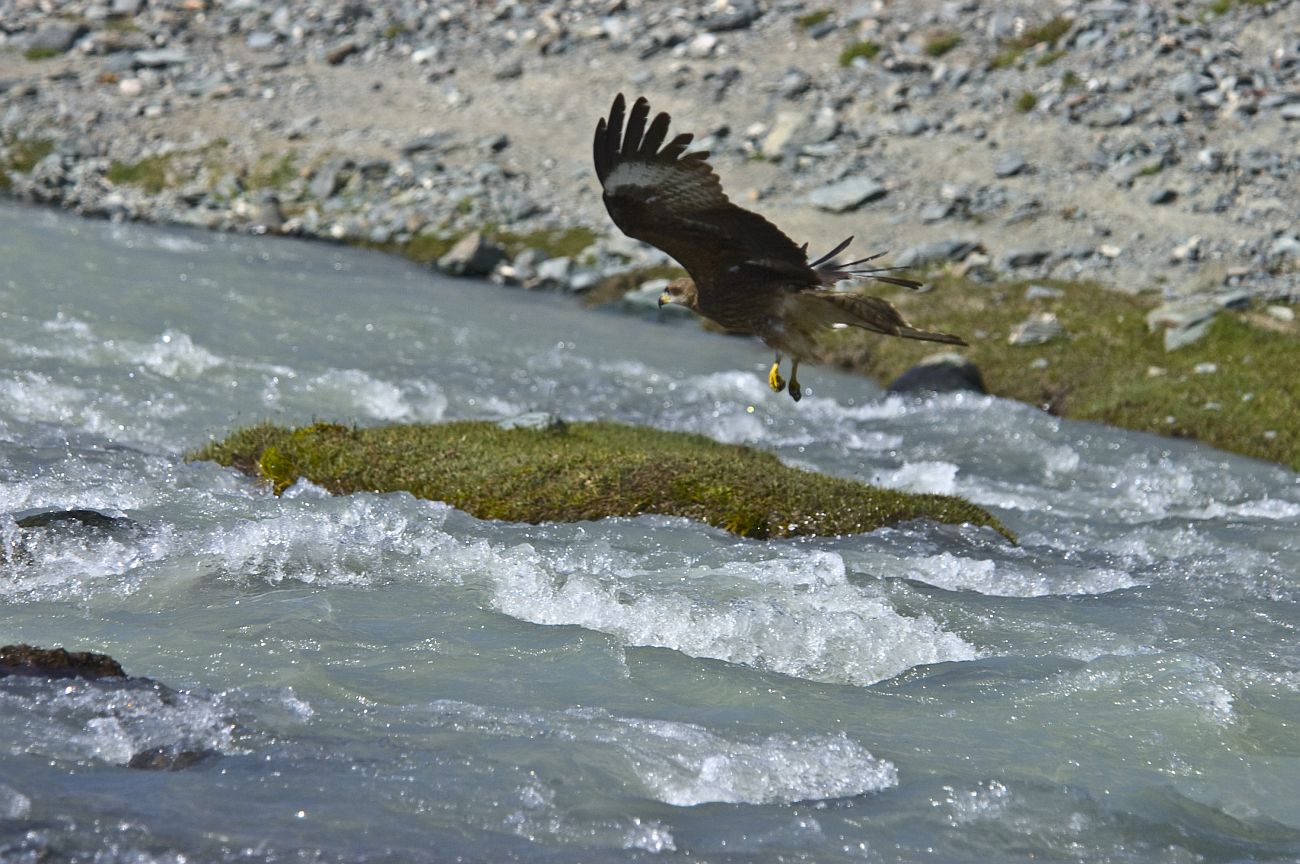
point(31, 661)
point(940, 373)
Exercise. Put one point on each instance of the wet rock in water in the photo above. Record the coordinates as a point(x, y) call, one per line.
point(168, 759)
point(846, 195)
point(1037, 330)
point(542, 421)
point(940, 373)
point(28, 660)
point(473, 255)
point(91, 519)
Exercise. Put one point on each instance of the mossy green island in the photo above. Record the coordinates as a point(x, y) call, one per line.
point(579, 472)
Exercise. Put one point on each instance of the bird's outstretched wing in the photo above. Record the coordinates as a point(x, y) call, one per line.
point(671, 199)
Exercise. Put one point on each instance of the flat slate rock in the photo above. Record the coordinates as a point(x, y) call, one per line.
point(847, 194)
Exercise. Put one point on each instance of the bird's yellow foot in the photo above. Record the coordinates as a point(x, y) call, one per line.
point(774, 379)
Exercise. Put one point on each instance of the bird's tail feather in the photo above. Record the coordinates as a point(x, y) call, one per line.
point(876, 315)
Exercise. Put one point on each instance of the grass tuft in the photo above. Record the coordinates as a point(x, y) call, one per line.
point(151, 173)
point(1044, 34)
point(584, 471)
point(1027, 101)
point(866, 50)
point(26, 152)
point(812, 19)
point(940, 44)
point(41, 53)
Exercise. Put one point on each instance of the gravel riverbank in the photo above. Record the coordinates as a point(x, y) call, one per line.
point(1144, 145)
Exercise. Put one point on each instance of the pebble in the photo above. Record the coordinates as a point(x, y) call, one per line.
point(1037, 330)
point(847, 194)
point(1009, 165)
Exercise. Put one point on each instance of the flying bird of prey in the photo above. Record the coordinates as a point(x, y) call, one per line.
point(745, 274)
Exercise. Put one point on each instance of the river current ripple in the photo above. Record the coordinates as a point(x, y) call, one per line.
point(379, 678)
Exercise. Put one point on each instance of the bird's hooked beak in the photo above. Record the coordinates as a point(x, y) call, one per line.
point(664, 298)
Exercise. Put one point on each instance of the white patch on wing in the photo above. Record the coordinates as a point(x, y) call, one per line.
point(644, 174)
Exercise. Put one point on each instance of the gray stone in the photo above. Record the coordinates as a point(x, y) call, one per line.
point(1117, 114)
point(937, 252)
point(1184, 321)
point(328, 179)
point(1285, 246)
point(340, 51)
point(1043, 292)
point(125, 8)
point(1009, 165)
point(261, 40)
point(1127, 172)
point(912, 125)
point(936, 211)
point(472, 255)
point(738, 16)
point(846, 195)
point(795, 130)
point(1037, 330)
point(540, 421)
point(1290, 111)
point(434, 143)
point(1024, 258)
point(554, 273)
point(512, 70)
point(1163, 195)
point(160, 58)
point(56, 36)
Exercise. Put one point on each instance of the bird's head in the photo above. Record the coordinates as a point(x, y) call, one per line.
point(681, 292)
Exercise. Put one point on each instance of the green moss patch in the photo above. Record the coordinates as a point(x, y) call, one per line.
point(1228, 390)
point(26, 152)
point(152, 173)
point(812, 19)
point(585, 471)
point(866, 50)
point(1044, 34)
point(939, 44)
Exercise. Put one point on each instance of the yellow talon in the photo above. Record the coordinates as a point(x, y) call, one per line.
point(774, 379)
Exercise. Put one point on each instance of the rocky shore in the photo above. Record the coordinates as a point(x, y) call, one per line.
point(1145, 145)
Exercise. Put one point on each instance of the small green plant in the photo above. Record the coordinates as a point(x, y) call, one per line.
point(866, 50)
point(1049, 57)
point(1069, 80)
point(26, 152)
point(272, 172)
point(151, 173)
point(940, 44)
point(812, 19)
point(38, 52)
point(1027, 101)
point(1044, 34)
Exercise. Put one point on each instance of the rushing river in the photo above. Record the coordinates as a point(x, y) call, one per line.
point(379, 678)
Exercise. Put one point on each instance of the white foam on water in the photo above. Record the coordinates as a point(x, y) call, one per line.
point(112, 721)
point(1007, 579)
point(771, 615)
point(361, 392)
point(684, 764)
point(13, 804)
point(931, 477)
point(174, 355)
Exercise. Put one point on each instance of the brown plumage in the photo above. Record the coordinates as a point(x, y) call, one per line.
point(745, 274)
